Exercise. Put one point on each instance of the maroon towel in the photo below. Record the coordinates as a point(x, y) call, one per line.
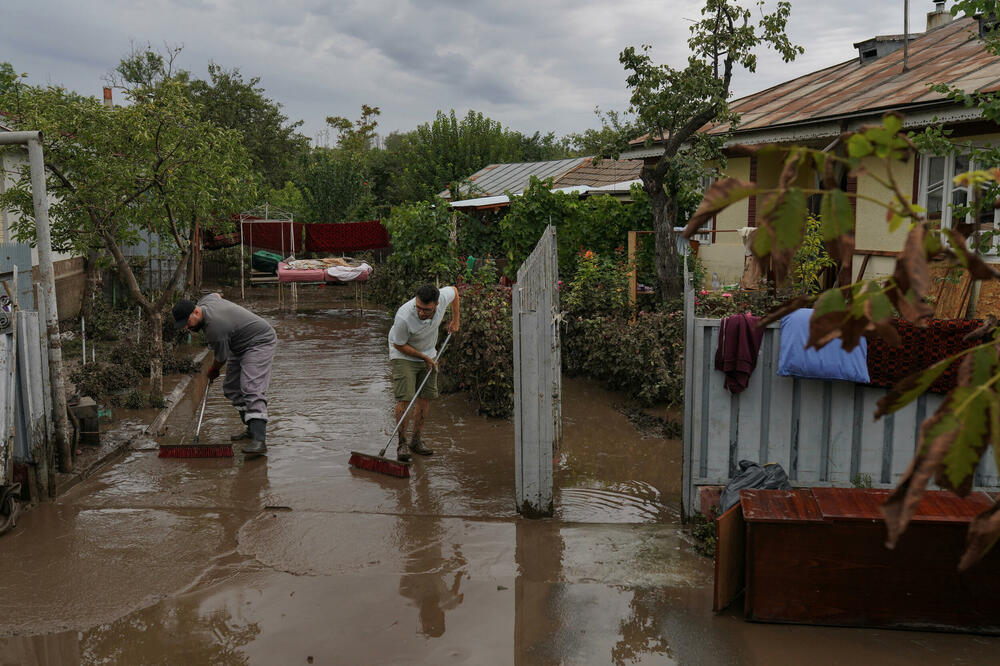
point(736, 355)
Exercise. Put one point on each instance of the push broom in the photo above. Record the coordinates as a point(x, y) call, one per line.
point(380, 463)
point(196, 449)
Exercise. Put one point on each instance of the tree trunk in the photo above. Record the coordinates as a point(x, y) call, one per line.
point(156, 358)
point(90, 289)
point(670, 279)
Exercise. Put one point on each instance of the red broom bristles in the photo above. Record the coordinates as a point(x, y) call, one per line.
point(380, 465)
point(196, 451)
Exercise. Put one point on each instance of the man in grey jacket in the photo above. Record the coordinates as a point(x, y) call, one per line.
point(245, 344)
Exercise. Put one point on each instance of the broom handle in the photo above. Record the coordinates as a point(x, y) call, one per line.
point(204, 401)
point(414, 399)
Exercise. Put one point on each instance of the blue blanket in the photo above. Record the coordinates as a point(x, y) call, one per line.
point(830, 362)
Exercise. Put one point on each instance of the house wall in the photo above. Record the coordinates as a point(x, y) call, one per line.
point(871, 229)
point(725, 255)
point(68, 269)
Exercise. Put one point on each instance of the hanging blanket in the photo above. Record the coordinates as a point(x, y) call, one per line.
point(284, 237)
point(739, 345)
point(830, 362)
point(920, 348)
point(347, 237)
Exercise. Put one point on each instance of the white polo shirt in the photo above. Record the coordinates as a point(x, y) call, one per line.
point(421, 334)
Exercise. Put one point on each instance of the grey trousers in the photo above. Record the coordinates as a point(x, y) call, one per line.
point(247, 379)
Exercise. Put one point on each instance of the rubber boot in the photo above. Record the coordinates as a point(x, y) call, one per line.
point(243, 434)
point(418, 447)
point(402, 451)
point(256, 447)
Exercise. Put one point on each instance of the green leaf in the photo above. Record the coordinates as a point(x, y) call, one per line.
point(836, 215)
point(831, 301)
point(790, 219)
point(881, 306)
point(910, 388)
point(895, 221)
point(858, 146)
point(892, 123)
point(963, 455)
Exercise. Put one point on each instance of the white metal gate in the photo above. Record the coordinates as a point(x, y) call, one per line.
point(537, 378)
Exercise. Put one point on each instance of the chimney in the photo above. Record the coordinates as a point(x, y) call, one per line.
point(107, 97)
point(939, 17)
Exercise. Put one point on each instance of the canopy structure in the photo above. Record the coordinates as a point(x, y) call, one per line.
point(266, 214)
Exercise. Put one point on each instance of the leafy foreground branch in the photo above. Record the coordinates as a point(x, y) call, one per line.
point(956, 436)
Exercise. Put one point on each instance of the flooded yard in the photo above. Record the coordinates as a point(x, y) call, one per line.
point(299, 559)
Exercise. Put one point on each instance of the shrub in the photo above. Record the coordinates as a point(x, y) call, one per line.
point(703, 531)
point(643, 360)
point(597, 223)
point(811, 262)
point(482, 358)
point(599, 287)
point(422, 253)
point(101, 380)
point(109, 323)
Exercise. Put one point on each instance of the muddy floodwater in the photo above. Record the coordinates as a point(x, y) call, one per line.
point(300, 559)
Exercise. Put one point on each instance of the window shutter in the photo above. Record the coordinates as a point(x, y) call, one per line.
point(852, 188)
point(752, 208)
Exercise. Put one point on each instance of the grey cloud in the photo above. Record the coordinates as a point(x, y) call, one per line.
point(531, 65)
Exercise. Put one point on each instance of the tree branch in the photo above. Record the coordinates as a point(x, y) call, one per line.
point(125, 271)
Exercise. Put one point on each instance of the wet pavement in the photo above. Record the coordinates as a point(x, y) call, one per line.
point(301, 559)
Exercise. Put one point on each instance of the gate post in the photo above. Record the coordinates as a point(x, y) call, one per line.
point(537, 376)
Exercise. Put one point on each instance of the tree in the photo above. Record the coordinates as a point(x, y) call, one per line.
point(441, 154)
point(357, 136)
point(150, 165)
point(275, 145)
point(336, 183)
point(672, 105)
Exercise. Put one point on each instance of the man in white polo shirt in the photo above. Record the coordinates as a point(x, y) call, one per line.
point(412, 353)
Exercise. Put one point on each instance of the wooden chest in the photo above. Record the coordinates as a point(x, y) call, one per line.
point(818, 556)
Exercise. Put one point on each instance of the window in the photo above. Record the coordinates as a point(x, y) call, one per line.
point(940, 196)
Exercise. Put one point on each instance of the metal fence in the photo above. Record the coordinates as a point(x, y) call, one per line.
point(158, 257)
point(537, 378)
point(19, 255)
point(821, 432)
point(26, 430)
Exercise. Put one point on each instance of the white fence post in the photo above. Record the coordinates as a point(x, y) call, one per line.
point(537, 376)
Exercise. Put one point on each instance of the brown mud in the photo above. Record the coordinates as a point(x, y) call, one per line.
point(301, 559)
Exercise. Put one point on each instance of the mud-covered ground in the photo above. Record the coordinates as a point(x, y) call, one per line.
point(301, 559)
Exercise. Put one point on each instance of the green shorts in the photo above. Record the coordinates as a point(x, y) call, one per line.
point(406, 377)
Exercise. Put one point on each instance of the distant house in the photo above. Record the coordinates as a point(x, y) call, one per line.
point(68, 269)
point(816, 108)
point(488, 187)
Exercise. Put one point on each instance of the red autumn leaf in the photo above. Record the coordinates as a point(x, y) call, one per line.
point(720, 194)
point(984, 532)
point(912, 279)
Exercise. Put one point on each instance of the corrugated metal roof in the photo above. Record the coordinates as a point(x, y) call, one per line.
point(482, 202)
point(514, 177)
point(950, 54)
point(605, 172)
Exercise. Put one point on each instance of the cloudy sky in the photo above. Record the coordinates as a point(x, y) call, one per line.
point(534, 65)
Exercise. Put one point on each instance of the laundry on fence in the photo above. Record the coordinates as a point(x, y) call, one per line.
point(830, 362)
point(739, 345)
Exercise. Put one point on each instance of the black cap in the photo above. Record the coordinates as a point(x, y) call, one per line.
point(182, 310)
